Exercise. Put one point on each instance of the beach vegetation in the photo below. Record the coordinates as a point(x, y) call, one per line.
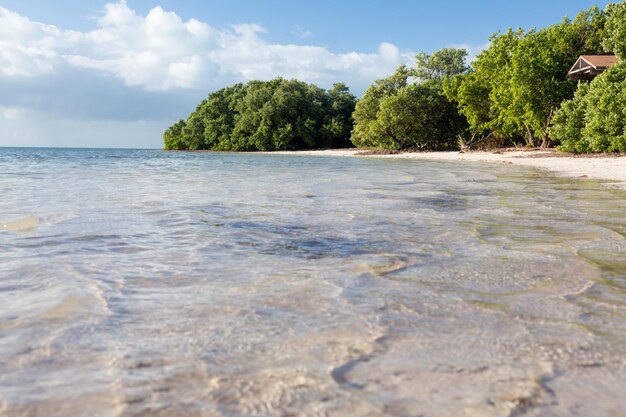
point(408, 110)
point(569, 122)
point(173, 136)
point(518, 83)
point(595, 119)
point(615, 31)
point(514, 93)
point(267, 115)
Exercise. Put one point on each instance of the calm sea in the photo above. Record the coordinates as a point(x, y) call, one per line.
point(146, 283)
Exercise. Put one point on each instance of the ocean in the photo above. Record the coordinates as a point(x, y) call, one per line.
point(151, 283)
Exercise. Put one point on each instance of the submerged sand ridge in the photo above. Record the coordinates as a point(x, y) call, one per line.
point(20, 225)
point(608, 168)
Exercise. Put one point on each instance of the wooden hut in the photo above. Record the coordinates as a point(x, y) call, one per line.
point(588, 67)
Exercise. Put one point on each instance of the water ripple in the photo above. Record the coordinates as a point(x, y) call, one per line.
point(206, 284)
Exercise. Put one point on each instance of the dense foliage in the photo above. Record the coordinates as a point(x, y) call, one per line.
point(274, 115)
point(595, 119)
point(515, 92)
point(615, 36)
point(569, 122)
point(518, 83)
point(398, 112)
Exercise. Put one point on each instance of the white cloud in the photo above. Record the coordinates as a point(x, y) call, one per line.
point(389, 52)
point(161, 52)
point(29, 49)
point(122, 82)
point(302, 32)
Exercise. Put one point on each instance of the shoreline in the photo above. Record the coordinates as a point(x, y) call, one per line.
point(611, 169)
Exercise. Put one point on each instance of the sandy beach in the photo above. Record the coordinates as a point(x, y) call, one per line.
point(611, 169)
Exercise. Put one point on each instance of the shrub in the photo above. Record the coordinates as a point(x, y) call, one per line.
point(569, 122)
point(595, 119)
point(605, 117)
point(396, 113)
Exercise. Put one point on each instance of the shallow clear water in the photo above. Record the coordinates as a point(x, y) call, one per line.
point(145, 283)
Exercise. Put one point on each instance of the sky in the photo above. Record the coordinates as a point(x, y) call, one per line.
point(89, 73)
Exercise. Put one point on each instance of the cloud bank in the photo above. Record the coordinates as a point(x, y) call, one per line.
point(149, 70)
point(161, 52)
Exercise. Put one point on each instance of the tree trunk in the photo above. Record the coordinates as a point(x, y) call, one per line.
point(546, 141)
point(530, 139)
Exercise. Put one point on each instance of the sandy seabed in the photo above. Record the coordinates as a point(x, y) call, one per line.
point(607, 168)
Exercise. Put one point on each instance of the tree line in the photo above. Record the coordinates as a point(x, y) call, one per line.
point(514, 93)
point(266, 116)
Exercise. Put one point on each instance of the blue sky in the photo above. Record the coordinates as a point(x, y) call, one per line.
point(98, 73)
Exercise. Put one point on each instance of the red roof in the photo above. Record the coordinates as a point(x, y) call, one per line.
point(600, 61)
point(587, 67)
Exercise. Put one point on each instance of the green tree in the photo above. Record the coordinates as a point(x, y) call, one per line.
point(365, 114)
point(173, 136)
point(193, 131)
point(615, 39)
point(539, 61)
point(252, 130)
point(443, 64)
point(281, 114)
point(569, 122)
point(471, 93)
point(338, 121)
point(267, 115)
point(219, 113)
point(483, 95)
point(605, 118)
point(518, 83)
point(595, 119)
point(396, 113)
point(418, 117)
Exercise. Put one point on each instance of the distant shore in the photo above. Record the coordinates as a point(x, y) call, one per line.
point(605, 167)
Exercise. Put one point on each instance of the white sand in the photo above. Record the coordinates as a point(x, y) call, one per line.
point(611, 169)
